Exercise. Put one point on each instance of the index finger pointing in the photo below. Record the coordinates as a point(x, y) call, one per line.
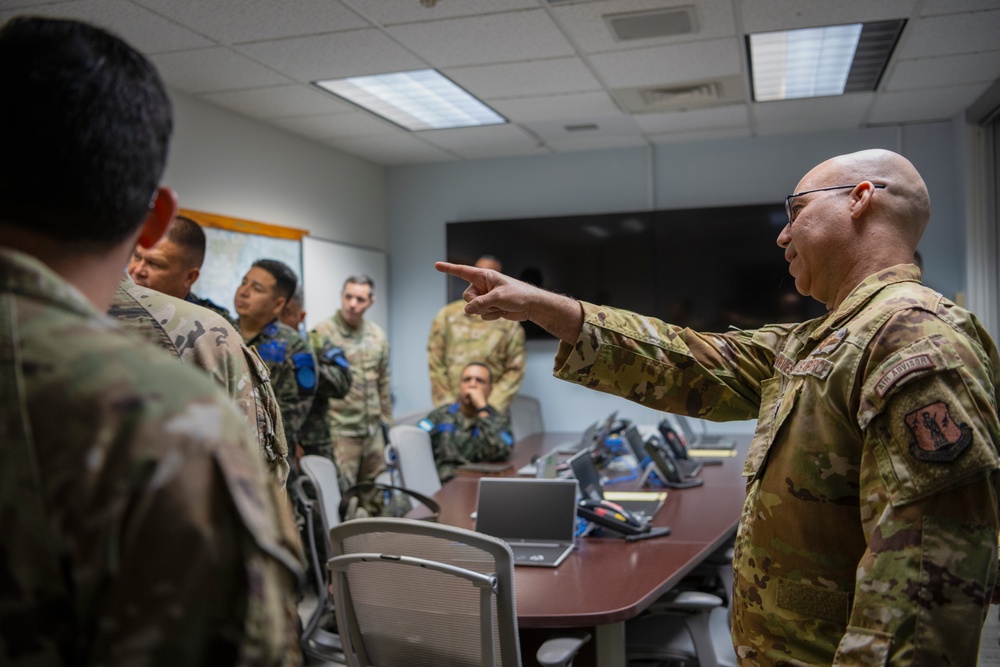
point(467, 273)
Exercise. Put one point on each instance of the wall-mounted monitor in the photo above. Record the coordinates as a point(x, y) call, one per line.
point(706, 268)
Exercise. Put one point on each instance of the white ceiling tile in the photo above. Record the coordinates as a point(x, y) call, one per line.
point(141, 28)
point(388, 12)
point(910, 74)
point(681, 121)
point(536, 77)
point(341, 125)
point(932, 7)
point(555, 107)
point(477, 142)
point(809, 115)
point(213, 70)
point(279, 102)
point(669, 64)
point(230, 21)
point(950, 34)
point(607, 126)
point(596, 143)
point(586, 25)
point(701, 135)
point(507, 37)
point(923, 105)
point(391, 149)
point(333, 56)
point(768, 15)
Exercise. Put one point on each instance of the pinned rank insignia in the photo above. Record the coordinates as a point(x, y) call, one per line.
point(936, 436)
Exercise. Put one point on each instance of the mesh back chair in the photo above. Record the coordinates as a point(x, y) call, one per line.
point(411, 418)
point(321, 473)
point(525, 417)
point(412, 594)
point(414, 459)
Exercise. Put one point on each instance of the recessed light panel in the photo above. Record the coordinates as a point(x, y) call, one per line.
point(417, 100)
point(811, 62)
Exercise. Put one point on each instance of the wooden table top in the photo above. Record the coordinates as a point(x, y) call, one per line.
point(607, 580)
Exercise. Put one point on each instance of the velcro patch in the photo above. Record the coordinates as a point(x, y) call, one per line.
point(817, 367)
point(901, 370)
point(936, 436)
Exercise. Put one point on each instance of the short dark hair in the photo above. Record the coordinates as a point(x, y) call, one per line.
point(85, 125)
point(481, 364)
point(360, 279)
point(285, 280)
point(189, 235)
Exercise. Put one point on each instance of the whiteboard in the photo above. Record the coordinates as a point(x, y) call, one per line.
point(327, 264)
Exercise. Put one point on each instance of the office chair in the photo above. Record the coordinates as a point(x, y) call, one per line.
point(690, 627)
point(412, 593)
point(411, 418)
point(321, 473)
point(414, 459)
point(525, 417)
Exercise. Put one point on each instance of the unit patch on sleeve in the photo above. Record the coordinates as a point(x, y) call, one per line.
point(936, 436)
point(901, 370)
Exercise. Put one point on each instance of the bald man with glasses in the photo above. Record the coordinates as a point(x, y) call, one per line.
point(869, 534)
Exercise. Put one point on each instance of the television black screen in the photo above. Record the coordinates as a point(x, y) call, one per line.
point(706, 268)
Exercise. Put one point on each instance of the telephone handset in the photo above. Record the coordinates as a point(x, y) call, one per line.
point(667, 467)
point(610, 515)
point(673, 439)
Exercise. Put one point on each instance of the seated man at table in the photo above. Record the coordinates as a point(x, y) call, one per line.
point(469, 430)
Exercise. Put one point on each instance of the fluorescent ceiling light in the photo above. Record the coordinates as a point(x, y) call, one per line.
point(417, 100)
point(812, 62)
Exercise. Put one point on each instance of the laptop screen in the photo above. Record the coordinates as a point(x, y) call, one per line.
point(586, 475)
point(527, 509)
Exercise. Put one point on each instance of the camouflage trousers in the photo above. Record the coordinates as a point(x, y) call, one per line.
point(361, 459)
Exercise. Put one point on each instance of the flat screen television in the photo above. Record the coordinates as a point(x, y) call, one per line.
point(705, 268)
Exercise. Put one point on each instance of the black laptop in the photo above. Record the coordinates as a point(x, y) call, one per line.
point(535, 517)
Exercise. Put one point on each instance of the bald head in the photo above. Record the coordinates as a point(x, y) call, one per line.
point(904, 203)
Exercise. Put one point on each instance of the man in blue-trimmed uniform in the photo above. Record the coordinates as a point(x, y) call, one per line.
point(264, 291)
point(469, 430)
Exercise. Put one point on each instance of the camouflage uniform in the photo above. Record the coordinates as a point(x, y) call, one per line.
point(869, 534)
point(457, 338)
point(208, 342)
point(458, 439)
point(358, 419)
point(211, 305)
point(292, 367)
point(334, 382)
point(137, 529)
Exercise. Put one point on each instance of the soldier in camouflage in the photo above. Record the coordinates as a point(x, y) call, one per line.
point(469, 430)
point(138, 527)
point(173, 265)
point(210, 342)
point(457, 338)
point(869, 534)
point(265, 289)
point(359, 420)
point(333, 381)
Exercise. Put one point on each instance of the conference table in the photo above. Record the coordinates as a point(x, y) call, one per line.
point(606, 580)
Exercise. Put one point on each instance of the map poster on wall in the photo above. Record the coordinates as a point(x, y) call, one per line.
point(233, 245)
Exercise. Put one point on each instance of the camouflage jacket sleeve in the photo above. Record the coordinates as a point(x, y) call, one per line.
point(293, 375)
point(509, 380)
point(665, 367)
point(928, 497)
point(334, 370)
point(385, 385)
point(437, 362)
point(270, 430)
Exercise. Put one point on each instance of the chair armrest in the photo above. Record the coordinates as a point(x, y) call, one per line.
point(560, 651)
point(690, 601)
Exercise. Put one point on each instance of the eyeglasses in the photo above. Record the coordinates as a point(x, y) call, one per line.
point(788, 199)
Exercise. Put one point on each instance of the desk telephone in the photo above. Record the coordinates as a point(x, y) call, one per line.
point(607, 514)
point(667, 467)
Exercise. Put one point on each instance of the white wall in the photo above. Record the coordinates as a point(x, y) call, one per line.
point(423, 198)
point(224, 163)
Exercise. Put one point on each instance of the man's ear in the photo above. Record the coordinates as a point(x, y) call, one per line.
point(861, 198)
point(191, 277)
point(161, 214)
point(279, 306)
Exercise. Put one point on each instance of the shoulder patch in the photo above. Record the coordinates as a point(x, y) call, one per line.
point(305, 371)
point(903, 368)
point(936, 436)
point(426, 425)
point(272, 351)
point(507, 438)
